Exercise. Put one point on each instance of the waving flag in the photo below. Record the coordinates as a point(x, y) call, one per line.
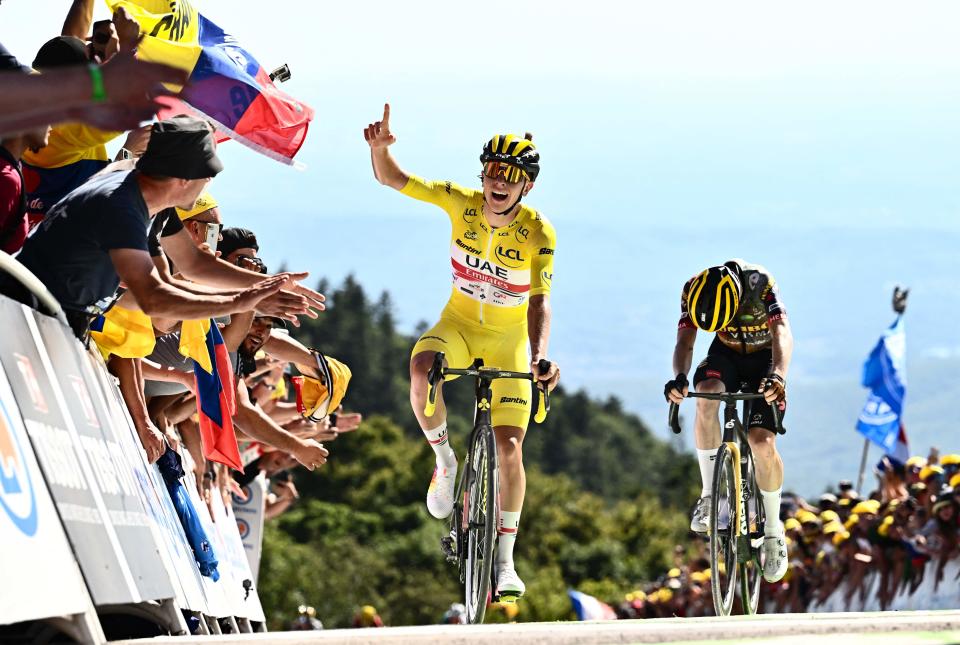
point(227, 84)
point(216, 403)
point(885, 374)
point(589, 608)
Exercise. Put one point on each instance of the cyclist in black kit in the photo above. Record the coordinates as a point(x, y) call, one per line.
point(751, 352)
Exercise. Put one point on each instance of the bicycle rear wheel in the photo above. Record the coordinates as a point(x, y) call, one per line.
point(723, 543)
point(481, 532)
point(751, 569)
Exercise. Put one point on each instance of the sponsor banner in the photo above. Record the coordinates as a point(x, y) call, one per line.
point(177, 556)
point(33, 548)
point(66, 469)
point(245, 604)
point(216, 592)
point(109, 453)
point(250, 516)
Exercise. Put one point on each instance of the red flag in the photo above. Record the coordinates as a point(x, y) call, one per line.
point(216, 403)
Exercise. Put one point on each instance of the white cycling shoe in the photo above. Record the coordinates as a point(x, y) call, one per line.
point(509, 584)
point(775, 556)
point(440, 493)
point(700, 520)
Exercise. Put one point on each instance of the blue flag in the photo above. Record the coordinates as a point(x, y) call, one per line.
point(885, 374)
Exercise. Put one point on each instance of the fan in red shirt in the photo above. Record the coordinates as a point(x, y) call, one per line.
point(14, 225)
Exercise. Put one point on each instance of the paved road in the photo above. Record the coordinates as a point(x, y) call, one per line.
point(880, 628)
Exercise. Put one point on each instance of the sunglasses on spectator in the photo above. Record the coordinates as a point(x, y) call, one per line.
point(500, 170)
point(252, 263)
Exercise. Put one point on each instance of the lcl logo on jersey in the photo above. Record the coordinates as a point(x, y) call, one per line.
point(509, 257)
point(469, 214)
point(522, 234)
point(17, 498)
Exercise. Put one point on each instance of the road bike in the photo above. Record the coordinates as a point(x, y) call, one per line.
point(472, 542)
point(736, 523)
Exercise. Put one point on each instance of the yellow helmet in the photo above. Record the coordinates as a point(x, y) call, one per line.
point(953, 459)
point(516, 151)
point(713, 298)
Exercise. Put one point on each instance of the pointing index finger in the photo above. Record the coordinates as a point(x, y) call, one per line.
point(386, 116)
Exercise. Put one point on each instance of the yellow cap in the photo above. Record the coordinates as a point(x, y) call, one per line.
point(829, 516)
point(916, 462)
point(953, 459)
point(791, 524)
point(838, 538)
point(955, 480)
point(867, 507)
point(929, 471)
point(853, 519)
point(204, 203)
point(315, 400)
point(804, 516)
point(673, 573)
point(832, 527)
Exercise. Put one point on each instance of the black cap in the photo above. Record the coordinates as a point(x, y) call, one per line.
point(62, 51)
point(182, 147)
point(233, 238)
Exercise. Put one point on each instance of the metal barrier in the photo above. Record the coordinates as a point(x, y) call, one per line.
point(87, 528)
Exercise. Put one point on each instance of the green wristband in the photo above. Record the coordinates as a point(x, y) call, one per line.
point(96, 78)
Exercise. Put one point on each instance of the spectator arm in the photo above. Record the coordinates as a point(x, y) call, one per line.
point(79, 19)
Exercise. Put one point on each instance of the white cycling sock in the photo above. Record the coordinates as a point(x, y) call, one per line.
point(507, 527)
point(771, 510)
point(441, 446)
point(707, 459)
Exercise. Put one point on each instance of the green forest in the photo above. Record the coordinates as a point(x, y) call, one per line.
point(606, 498)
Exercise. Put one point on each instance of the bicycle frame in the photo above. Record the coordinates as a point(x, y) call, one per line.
point(457, 546)
point(735, 441)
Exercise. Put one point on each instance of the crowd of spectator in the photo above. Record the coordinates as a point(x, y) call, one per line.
point(136, 252)
point(904, 531)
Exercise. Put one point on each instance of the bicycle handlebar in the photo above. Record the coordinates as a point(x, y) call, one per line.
point(674, 416)
point(438, 372)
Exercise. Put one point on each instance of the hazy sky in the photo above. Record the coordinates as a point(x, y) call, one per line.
point(811, 138)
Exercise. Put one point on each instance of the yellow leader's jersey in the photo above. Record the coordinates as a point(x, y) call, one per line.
point(495, 270)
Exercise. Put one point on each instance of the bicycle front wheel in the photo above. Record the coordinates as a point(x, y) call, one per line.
point(751, 569)
point(723, 542)
point(481, 530)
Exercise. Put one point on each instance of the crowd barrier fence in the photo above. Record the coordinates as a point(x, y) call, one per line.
point(87, 527)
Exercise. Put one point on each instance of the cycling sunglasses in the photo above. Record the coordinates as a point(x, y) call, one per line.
point(509, 174)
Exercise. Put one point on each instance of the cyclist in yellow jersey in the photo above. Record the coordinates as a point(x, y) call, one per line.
point(501, 252)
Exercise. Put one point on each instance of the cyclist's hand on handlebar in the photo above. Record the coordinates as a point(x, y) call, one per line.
point(676, 389)
point(551, 377)
point(773, 388)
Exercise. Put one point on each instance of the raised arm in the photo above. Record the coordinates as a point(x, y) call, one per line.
point(385, 167)
point(79, 19)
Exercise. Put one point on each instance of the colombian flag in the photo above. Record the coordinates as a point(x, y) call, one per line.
point(216, 403)
point(227, 84)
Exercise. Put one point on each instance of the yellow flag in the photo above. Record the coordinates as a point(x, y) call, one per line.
point(127, 333)
point(193, 342)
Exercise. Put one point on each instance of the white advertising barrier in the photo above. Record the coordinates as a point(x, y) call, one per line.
point(33, 548)
point(175, 550)
point(108, 450)
point(250, 514)
point(74, 477)
point(928, 595)
point(64, 462)
point(229, 594)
